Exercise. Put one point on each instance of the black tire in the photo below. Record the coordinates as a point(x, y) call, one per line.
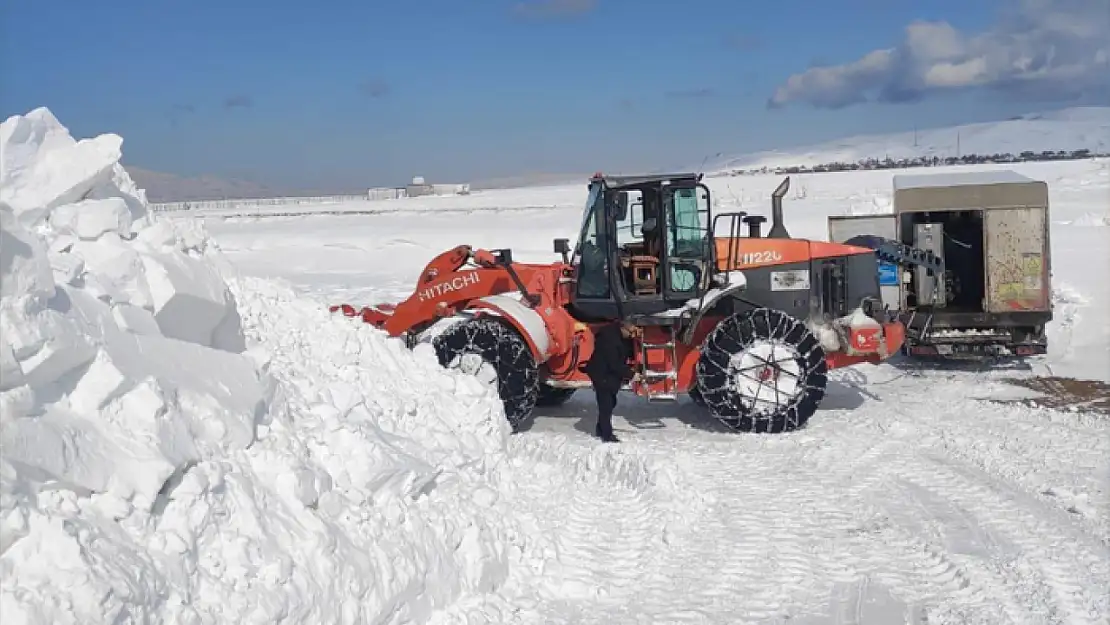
point(502, 347)
point(730, 357)
point(553, 396)
point(696, 396)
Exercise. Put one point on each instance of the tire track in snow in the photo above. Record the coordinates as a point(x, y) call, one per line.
point(605, 531)
point(599, 522)
point(604, 540)
point(1036, 551)
point(968, 590)
point(1056, 457)
point(758, 549)
point(871, 516)
point(971, 524)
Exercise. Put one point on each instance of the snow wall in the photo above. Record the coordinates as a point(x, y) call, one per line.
point(182, 445)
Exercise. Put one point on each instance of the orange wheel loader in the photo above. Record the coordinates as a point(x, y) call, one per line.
point(748, 325)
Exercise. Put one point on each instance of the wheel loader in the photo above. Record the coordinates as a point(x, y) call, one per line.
point(746, 324)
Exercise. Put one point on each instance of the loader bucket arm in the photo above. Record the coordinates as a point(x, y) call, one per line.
point(445, 263)
point(445, 296)
point(443, 284)
point(446, 287)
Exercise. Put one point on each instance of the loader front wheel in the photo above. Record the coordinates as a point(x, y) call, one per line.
point(553, 396)
point(496, 354)
point(762, 371)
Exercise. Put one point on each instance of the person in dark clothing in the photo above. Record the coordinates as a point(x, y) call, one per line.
point(608, 369)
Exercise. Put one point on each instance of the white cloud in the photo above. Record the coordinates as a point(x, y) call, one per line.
point(1040, 49)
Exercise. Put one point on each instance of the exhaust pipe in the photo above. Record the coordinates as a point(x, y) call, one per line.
point(753, 222)
point(778, 230)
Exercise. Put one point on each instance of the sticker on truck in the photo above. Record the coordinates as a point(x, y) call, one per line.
point(1032, 267)
point(794, 280)
point(888, 274)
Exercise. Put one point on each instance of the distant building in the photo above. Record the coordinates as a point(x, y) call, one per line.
point(385, 193)
point(417, 188)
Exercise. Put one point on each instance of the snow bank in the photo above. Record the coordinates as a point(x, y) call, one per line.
point(1090, 219)
point(157, 469)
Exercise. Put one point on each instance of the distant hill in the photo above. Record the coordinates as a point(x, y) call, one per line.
point(529, 180)
point(1066, 129)
point(163, 187)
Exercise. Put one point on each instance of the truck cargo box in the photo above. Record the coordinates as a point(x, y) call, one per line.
point(1005, 211)
point(991, 228)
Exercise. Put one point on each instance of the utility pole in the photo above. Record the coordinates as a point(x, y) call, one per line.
point(957, 144)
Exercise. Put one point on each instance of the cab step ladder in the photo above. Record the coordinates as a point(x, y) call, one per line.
point(668, 374)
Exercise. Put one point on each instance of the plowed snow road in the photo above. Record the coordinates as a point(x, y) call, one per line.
point(904, 509)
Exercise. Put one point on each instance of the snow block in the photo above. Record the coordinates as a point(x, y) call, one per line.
point(43, 167)
point(189, 298)
point(219, 393)
point(141, 408)
point(89, 219)
point(64, 350)
point(135, 319)
point(11, 376)
point(100, 382)
point(63, 446)
point(67, 268)
point(25, 273)
point(159, 236)
point(114, 270)
point(120, 185)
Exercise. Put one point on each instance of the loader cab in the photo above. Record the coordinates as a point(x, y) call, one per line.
point(644, 246)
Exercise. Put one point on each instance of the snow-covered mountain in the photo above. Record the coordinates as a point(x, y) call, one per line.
point(1067, 129)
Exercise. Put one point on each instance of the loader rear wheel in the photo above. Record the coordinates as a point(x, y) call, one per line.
point(762, 371)
point(496, 354)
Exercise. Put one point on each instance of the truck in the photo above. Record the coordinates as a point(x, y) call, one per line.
point(989, 292)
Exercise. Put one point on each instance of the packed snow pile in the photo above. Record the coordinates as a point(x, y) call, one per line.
point(158, 468)
point(92, 294)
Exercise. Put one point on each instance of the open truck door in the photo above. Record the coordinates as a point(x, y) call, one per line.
point(1016, 259)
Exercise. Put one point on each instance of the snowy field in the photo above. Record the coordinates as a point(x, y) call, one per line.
point(911, 489)
point(375, 251)
point(190, 438)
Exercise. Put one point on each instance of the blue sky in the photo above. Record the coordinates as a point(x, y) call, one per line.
point(351, 94)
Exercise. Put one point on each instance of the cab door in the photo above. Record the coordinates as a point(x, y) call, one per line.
point(593, 290)
point(687, 256)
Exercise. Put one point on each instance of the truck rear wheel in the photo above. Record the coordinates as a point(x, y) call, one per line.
point(762, 371)
point(496, 354)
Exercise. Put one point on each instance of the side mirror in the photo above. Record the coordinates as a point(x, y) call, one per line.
point(562, 246)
